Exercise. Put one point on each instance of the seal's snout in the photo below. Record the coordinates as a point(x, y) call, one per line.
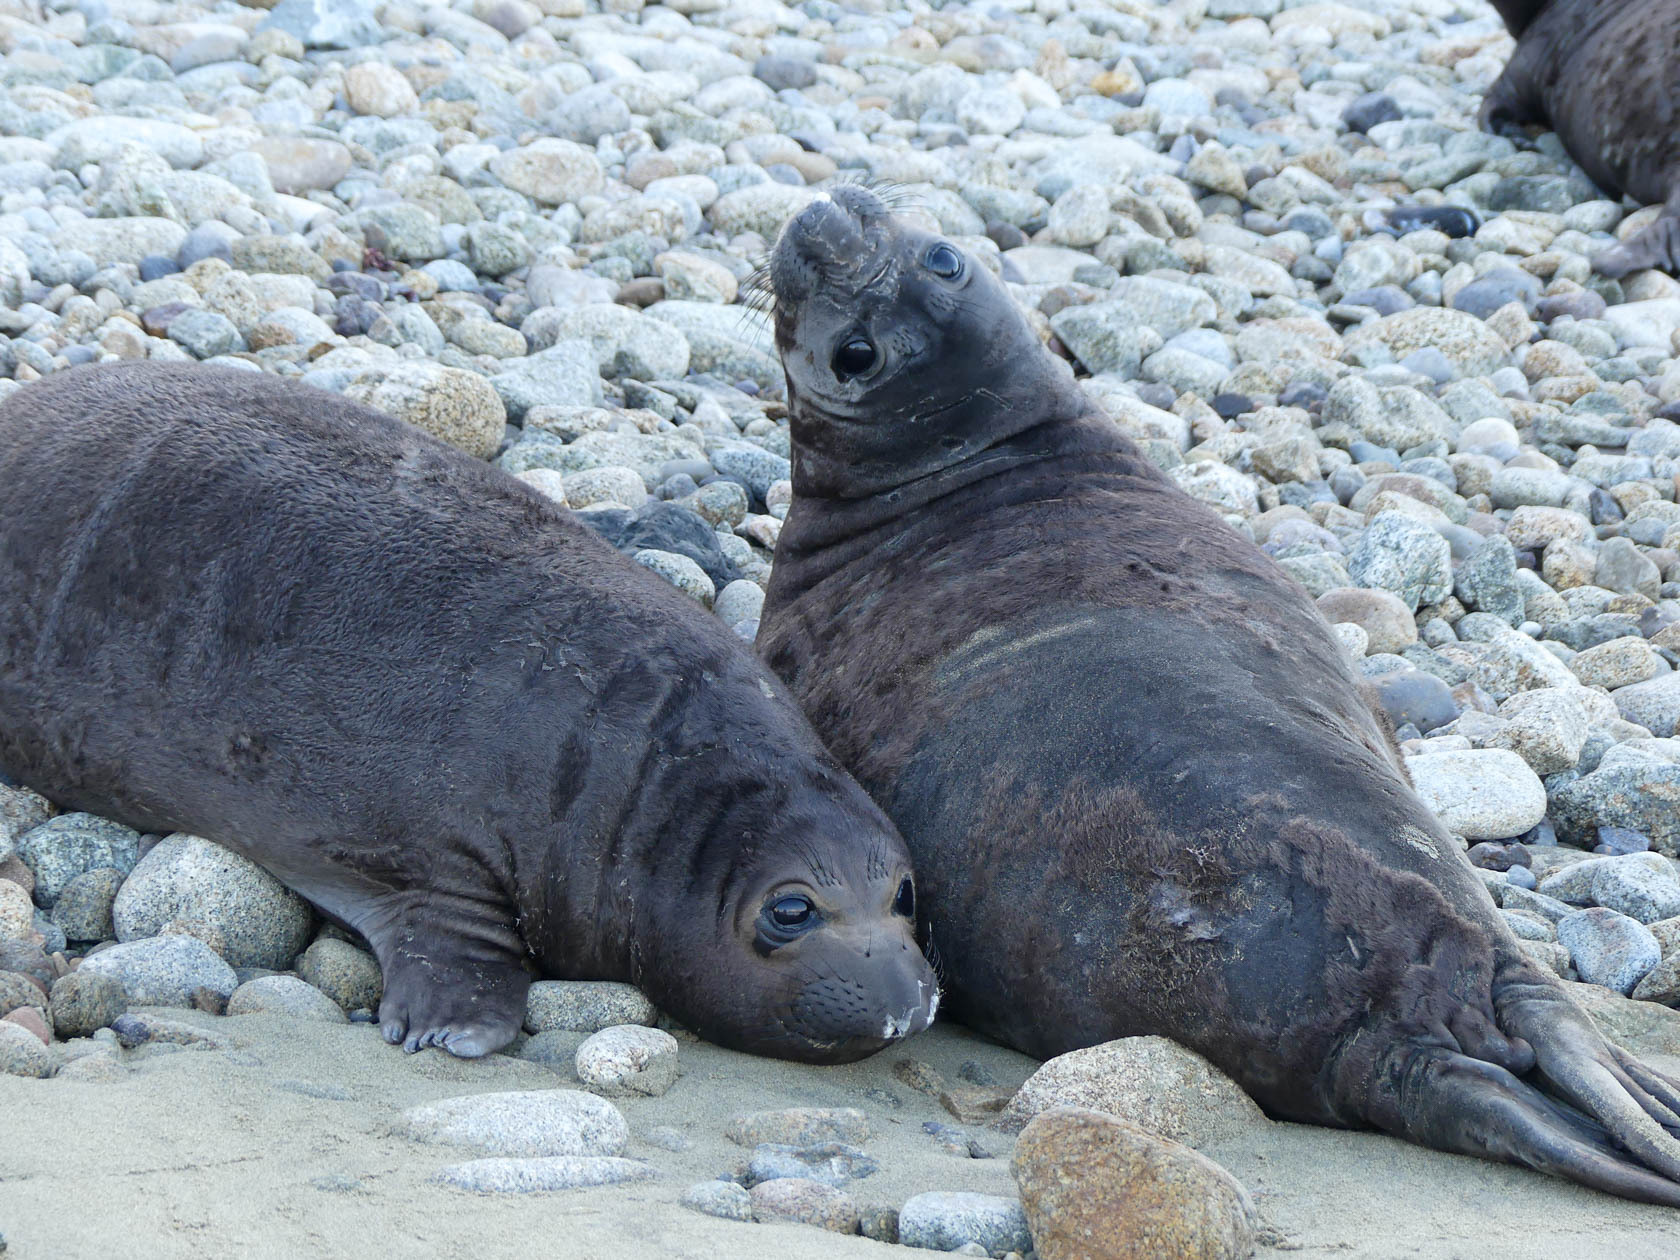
point(825, 232)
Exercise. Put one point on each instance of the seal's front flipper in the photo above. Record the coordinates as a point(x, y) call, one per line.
point(455, 976)
point(1508, 109)
point(1658, 247)
point(1451, 1102)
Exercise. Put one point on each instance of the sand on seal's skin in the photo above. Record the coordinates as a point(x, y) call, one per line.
point(211, 1154)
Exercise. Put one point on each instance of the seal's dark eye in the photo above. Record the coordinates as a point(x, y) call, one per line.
point(905, 902)
point(792, 912)
point(855, 357)
point(944, 261)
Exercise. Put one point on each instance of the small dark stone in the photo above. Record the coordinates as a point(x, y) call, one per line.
point(1499, 287)
point(156, 266)
point(1345, 482)
point(1157, 395)
point(354, 315)
point(1453, 221)
point(1303, 494)
point(1541, 835)
point(75, 356)
point(1006, 236)
point(879, 1223)
point(207, 240)
point(1386, 299)
point(678, 487)
point(782, 74)
point(782, 173)
point(368, 288)
point(1370, 453)
point(1309, 395)
point(1498, 857)
point(1621, 841)
point(1406, 731)
point(1410, 695)
point(209, 1001)
point(1522, 877)
point(130, 1031)
point(1582, 305)
point(1230, 406)
point(1604, 508)
point(664, 527)
point(643, 291)
point(696, 470)
point(1312, 268)
point(1365, 112)
point(749, 388)
point(156, 321)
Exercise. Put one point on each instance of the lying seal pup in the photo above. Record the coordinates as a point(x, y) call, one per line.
point(438, 707)
point(1604, 75)
point(1143, 790)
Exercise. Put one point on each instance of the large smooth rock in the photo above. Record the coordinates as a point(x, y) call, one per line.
point(262, 922)
point(548, 1172)
point(1097, 1188)
point(1150, 1081)
point(64, 847)
point(522, 1124)
point(943, 1220)
point(284, 995)
point(628, 1060)
point(164, 970)
point(1481, 793)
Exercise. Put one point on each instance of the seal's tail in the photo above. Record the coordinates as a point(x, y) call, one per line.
point(1624, 1139)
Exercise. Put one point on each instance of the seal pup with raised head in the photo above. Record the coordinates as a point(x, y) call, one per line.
point(1140, 782)
point(437, 706)
point(1604, 75)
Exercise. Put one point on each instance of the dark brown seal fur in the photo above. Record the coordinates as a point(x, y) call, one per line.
point(1141, 784)
point(1604, 75)
point(438, 707)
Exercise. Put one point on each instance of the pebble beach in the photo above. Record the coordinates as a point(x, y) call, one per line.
point(1273, 244)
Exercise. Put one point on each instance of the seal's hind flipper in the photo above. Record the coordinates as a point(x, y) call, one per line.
point(455, 976)
point(1455, 1103)
point(1658, 1087)
point(1638, 1107)
point(1658, 247)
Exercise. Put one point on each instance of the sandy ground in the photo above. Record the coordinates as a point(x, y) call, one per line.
point(251, 1152)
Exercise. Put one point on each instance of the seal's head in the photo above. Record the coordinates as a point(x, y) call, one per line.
point(903, 354)
point(784, 923)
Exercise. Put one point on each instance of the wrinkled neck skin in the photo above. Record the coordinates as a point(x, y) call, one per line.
point(1040, 413)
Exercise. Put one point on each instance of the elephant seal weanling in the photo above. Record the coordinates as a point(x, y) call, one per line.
point(1605, 75)
point(1142, 787)
point(438, 707)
